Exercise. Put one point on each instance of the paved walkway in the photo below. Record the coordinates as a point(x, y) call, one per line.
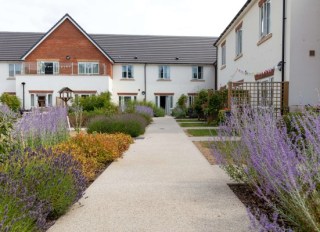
point(163, 184)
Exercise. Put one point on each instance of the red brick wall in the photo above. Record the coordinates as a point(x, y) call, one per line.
point(67, 40)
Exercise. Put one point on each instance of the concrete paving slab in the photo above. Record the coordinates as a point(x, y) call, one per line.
point(162, 184)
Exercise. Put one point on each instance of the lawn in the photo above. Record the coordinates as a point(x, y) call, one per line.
point(202, 132)
point(196, 124)
point(189, 120)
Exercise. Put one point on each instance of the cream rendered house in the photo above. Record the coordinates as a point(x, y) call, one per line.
point(274, 41)
point(35, 66)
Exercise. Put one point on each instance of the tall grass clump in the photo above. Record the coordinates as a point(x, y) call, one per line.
point(131, 124)
point(42, 128)
point(282, 167)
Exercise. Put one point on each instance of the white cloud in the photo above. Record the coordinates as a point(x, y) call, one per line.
point(156, 17)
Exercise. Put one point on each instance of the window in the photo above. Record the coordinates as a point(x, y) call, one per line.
point(88, 68)
point(47, 67)
point(197, 72)
point(14, 69)
point(190, 100)
point(124, 101)
point(127, 71)
point(239, 41)
point(49, 100)
point(223, 53)
point(164, 72)
point(265, 10)
point(32, 100)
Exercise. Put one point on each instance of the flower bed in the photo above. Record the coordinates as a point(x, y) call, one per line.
point(281, 166)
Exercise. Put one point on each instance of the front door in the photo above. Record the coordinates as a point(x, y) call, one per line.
point(165, 102)
point(42, 101)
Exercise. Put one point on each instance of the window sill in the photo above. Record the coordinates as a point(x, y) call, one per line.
point(264, 39)
point(163, 80)
point(127, 79)
point(223, 67)
point(238, 57)
point(11, 78)
point(197, 80)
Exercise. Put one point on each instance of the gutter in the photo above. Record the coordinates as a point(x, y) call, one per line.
point(145, 82)
point(283, 61)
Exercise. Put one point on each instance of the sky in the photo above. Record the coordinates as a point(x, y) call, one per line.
point(137, 17)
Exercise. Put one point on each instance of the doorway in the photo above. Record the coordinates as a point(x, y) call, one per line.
point(41, 101)
point(163, 101)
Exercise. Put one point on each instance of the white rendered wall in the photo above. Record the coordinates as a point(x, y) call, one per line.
point(56, 83)
point(180, 81)
point(304, 70)
point(6, 84)
point(256, 58)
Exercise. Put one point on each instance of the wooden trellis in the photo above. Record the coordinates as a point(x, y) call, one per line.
point(259, 95)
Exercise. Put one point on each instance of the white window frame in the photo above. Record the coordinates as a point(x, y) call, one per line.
point(223, 54)
point(164, 72)
point(197, 72)
point(239, 41)
point(123, 99)
point(41, 67)
point(265, 18)
point(88, 68)
point(127, 72)
point(16, 69)
point(190, 100)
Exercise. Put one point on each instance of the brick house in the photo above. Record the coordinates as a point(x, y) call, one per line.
point(35, 66)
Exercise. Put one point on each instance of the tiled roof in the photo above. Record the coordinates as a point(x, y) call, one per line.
point(125, 48)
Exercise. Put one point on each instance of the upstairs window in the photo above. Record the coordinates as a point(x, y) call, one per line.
point(265, 12)
point(127, 71)
point(48, 67)
point(164, 72)
point(223, 53)
point(197, 73)
point(239, 40)
point(88, 68)
point(14, 69)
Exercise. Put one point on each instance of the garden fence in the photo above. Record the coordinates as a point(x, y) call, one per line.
point(259, 95)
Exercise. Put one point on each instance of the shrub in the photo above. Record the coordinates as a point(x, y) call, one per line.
point(179, 112)
point(283, 168)
point(131, 124)
point(217, 100)
point(19, 209)
point(101, 101)
point(159, 112)
point(182, 102)
point(7, 121)
point(145, 111)
point(11, 101)
point(39, 128)
point(94, 151)
point(200, 103)
point(55, 179)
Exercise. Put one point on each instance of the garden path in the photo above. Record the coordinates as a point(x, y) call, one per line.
point(163, 184)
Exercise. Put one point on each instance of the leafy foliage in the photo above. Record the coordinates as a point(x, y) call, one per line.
point(11, 101)
point(98, 102)
point(94, 151)
point(7, 121)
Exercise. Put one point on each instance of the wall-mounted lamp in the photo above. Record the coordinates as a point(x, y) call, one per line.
point(68, 57)
point(143, 92)
point(279, 66)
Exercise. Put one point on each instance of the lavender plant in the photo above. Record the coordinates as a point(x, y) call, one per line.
point(283, 168)
point(40, 128)
point(19, 209)
point(52, 178)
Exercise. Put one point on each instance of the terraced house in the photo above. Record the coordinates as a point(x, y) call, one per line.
point(36, 66)
point(268, 42)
